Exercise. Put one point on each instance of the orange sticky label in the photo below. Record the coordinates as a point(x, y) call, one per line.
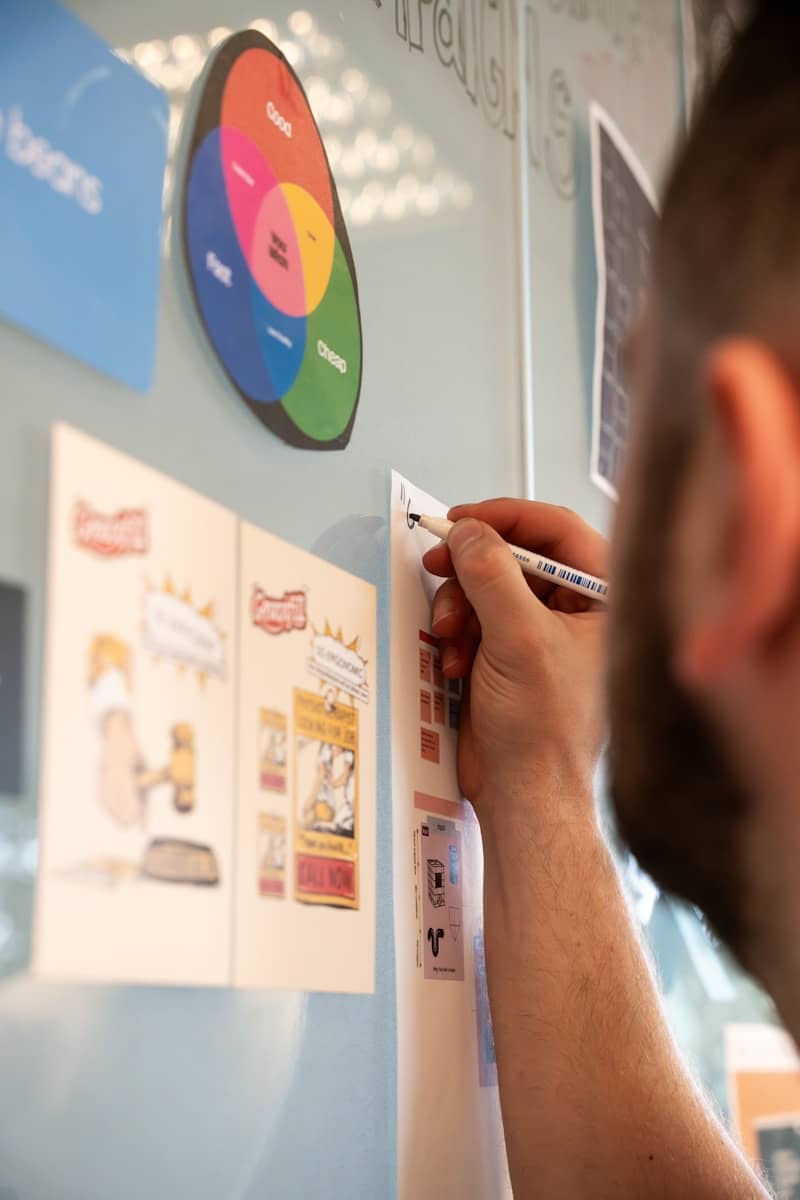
point(429, 745)
point(455, 809)
point(425, 706)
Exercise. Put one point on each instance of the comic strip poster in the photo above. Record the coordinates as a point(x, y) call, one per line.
point(326, 800)
point(137, 803)
point(307, 655)
point(624, 212)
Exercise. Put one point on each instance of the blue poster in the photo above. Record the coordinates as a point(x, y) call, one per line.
point(83, 146)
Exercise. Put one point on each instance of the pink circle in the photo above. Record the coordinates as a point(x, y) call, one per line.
point(275, 261)
point(248, 180)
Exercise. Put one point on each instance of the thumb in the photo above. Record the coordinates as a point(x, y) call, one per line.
point(494, 585)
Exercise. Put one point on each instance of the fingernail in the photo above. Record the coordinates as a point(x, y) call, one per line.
point(443, 614)
point(464, 534)
point(449, 659)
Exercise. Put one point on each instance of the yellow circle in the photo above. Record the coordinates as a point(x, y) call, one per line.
point(316, 240)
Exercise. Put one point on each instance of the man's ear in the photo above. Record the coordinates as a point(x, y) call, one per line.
point(751, 575)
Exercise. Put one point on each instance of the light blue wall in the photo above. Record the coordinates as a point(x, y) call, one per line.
point(112, 1093)
point(127, 1093)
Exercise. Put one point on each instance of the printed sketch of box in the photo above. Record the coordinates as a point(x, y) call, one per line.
point(436, 882)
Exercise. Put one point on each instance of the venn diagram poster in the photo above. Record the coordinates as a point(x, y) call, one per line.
point(159, 861)
point(306, 769)
point(446, 1066)
point(80, 246)
point(267, 250)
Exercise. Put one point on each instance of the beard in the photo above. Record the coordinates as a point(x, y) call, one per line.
point(677, 801)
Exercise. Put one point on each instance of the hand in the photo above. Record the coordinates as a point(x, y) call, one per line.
point(532, 653)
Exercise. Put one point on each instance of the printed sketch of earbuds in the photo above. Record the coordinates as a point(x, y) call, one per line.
point(434, 939)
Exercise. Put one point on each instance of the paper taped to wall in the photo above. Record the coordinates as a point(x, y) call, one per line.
point(445, 1050)
point(624, 213)
point(208, 789)
point(137, 814)
point(306, 771)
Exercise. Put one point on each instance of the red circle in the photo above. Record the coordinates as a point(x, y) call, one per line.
point(263, 99)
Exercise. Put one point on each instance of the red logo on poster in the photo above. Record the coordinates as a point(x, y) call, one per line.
point(111, 534)
point(278, 614)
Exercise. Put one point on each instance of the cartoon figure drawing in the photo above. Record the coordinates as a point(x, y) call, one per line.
point(274, 856)
point(180, 771)
point(124, 779)
point(344, 786)
point(331, 804)
point(319, 810)
point(273, 750)
point(271, 855)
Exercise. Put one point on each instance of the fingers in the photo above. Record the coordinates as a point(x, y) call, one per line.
point(437, 560)
point(450, 610)
point(458, 652)
point(554, 531)
point(455, 623)
point(494, 586)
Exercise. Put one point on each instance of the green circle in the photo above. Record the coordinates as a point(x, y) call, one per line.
point(322, 398)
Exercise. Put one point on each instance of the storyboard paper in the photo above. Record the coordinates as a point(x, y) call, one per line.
point(208, 781)
point(305, 914)
point(137, 795)
point(450, 1137)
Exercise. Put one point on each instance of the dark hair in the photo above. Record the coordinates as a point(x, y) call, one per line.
point(726, 257)
point(726, 261)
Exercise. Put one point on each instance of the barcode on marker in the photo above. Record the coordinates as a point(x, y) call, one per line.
point(569, 576)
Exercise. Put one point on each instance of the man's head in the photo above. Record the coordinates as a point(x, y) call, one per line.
point(705, 675)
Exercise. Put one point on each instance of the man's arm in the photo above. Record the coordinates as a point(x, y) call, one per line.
point(596, 1100)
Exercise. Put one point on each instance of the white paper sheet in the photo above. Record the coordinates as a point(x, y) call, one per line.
point(624, 212)
point(305, 915)
point(137, 792)
point(450, 1138)
point(208, 782)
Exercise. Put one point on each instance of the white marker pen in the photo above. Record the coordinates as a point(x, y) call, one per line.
point(532, 564)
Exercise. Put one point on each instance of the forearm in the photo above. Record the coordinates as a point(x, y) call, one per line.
point(595, 1099)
